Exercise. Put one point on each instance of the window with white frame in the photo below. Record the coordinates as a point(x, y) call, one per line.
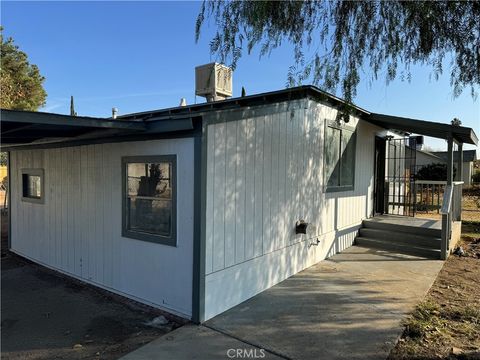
point(149, 198)
point(32, 185)
point(340, 143)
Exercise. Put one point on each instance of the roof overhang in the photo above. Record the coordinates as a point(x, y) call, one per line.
point(428, 128)
point(20, 129)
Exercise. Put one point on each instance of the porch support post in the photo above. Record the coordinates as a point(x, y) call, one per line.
point(446, 218)
point(450, 162)
point(459, 175)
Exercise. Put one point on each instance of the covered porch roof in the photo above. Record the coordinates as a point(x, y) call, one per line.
point(21, 129)
point(428, 128)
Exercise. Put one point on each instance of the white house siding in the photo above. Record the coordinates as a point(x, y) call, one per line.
point(423, 159)
point(468, 172)
point(265, 172)
point(78, 229)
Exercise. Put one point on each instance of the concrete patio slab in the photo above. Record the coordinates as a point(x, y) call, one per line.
point(347, 307)
point(193, 342)
point(408, 221)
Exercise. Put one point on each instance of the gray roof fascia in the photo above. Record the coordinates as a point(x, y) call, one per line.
point(251, 100)
point(30, 117)
point(422, 127)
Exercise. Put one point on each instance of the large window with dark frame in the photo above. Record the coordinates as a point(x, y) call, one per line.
point(149, 198)
point(33, 186)
point(340, 143)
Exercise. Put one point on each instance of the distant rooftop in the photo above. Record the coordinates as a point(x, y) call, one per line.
point(468, 155)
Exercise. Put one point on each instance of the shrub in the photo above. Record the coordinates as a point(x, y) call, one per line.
point(436, 172)
point(476, 177)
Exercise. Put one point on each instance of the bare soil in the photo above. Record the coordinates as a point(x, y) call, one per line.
point(46, 315)
point(446, 325)
point(470, 207)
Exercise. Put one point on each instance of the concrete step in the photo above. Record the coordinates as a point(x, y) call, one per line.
point(398, 247)
point(372, 224)
point(401, 237)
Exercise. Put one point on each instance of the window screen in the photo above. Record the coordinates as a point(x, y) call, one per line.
point(32, 185)
point(339, 158)
point(149, 201)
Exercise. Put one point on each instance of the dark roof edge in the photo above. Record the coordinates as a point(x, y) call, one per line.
point(295, 93)
point(423, 127)
point(29, 117)
point(468, 155)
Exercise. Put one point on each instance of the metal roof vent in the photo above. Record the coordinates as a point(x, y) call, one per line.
point(213, 81)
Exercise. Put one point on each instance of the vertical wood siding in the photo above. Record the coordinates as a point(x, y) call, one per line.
point(264, 173)
point(78, 229)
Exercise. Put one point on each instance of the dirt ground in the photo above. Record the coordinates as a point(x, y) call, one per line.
point(446, 325)
point(46, 315)
point(470, 210)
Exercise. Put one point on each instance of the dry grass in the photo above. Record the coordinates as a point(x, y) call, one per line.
point(446, 325)
point(470, 209)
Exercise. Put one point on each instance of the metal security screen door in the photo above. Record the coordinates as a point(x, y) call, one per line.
point(400, 176)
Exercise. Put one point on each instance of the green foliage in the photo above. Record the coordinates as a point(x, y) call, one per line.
point(21, 82)
point(3, 158)
point(436, 172)
point(476, 177)
point(334, 42)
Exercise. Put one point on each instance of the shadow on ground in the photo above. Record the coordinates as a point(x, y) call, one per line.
point(347, 307)
point(46, 315)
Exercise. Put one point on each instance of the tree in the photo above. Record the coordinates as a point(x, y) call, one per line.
point(456, 122)
point(21, 82)
point(337, 42)
point(3, 158)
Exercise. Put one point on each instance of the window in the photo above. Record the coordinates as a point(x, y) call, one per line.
point(32, 185)
point(339, 158)
point(149, 198)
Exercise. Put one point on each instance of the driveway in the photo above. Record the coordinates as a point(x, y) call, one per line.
point(348, 307)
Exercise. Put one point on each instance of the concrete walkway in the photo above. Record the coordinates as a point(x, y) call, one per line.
point(347, 307)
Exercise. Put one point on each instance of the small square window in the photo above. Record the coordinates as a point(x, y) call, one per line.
point(149, 198)
point(32, 185)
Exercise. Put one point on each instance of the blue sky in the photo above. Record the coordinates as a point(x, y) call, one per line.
point(140, 56)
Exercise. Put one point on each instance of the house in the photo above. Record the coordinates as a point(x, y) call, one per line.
point(424, 158)
point(469, 158)
point(195, 209)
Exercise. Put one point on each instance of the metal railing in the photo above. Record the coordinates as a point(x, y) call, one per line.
point(451, 211)
point(428, 195)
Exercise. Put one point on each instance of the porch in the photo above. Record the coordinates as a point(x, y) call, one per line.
point(420, 237)
point(399, 196)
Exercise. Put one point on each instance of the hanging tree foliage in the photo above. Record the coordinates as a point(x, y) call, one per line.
point(335, 43)
point(21, 82)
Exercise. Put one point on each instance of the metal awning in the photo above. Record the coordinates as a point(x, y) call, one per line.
point(428, 128)
point(26, 129)
point(22, 127)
